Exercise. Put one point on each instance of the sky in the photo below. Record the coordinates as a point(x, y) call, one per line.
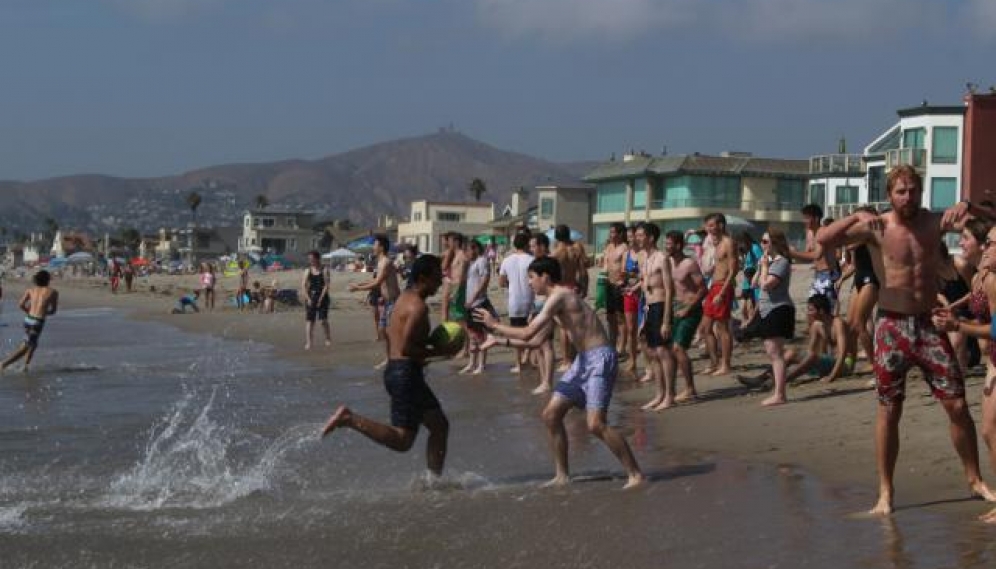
point(157, 87)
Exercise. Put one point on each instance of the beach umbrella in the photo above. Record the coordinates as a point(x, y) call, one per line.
point(361, 245)
point(80, 257)
point(56, 262)
point(139, 262)
point(575, 235)
point(486, 239)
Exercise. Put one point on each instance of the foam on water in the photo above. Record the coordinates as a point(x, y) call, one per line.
point(10, 517)
point(189, 462)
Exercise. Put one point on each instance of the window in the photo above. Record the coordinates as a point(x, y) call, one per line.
point(255, 222)
point(640, 190)
point(944, 147)
point(292, 244)
point(611, 197)
point(790, 194)
point(818, 194)
point(247, 222)
point(943, 193)
point(702, 191)
point(453, 216)
point(417, 216)
point(914, 137)
point(267, 222)
point(601, 236)
point(847, 194)
point(546, 208)
point(876, 184)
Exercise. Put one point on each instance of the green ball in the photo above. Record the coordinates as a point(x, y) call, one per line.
point(448, 337)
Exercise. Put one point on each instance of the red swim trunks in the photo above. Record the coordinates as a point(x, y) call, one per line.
point(902, 341)
point(720, 312)
point(631, 303)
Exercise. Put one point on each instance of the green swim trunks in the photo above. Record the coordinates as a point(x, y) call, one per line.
point(823, 366)
point(683, 329)
point(458, 304)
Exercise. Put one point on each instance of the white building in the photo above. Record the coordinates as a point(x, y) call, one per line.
point(429, 221)
point(281, 232)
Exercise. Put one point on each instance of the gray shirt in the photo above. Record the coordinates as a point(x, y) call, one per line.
point(778, 296)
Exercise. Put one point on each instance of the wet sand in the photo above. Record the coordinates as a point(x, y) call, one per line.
point(826, 429)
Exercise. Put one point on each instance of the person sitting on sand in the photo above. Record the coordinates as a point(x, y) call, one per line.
point(187, 300)
point(825, 331)
point(38, 302)
point(412, 401)
point(589, 381)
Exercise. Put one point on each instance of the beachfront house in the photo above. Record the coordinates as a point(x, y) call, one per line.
point(429, 221)
point(279, 232)
point(677, 192)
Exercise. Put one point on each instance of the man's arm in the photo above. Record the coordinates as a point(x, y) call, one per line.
point(53, 303)
point(857, 228)
point(537, 324)
point(699, 283)
point(668, 296)
point(304, 286)
point(374, 282)
point(809, 256)
point(482, 287)
point(503, 273)
point(25, 304)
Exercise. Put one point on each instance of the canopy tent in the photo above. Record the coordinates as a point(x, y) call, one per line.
point(486, 239)
point(274, 263)
point(341, 253)
point(575, 235)
point(365, 245)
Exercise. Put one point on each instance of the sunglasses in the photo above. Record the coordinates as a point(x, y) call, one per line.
point(765, 241)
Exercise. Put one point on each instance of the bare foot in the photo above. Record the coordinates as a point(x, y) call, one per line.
point(541, 389)
point(721, 371)
point(711, 370)
point(981, 490)
point(381, 365)
point(563, 367)
point(328, 342)
point(513, 369)
point(645, 378)
point(307, 346)
point(556, 482)
point(664, 404)
point(686, 397)
point(466, 369)
point(478, 370)
point(883, 507)
point(635, 480)
point(989, 517)
point(341, 417)
point(773, 400)
point(652, 403)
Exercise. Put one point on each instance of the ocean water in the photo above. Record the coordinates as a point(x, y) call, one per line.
point(131, 444)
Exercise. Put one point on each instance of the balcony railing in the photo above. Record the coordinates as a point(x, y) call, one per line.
point(842, 164)
point(916, 157)
point(843, 210)
point(713, 203)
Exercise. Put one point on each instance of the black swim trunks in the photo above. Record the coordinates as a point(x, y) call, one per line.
point(652, 325)
point(411, 397)
point(613, 299)
point(317, 308)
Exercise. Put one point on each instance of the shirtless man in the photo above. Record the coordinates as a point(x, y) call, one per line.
point(614, 264)
point(719, 301)
point(826, 269)
point(38, 302)
point(539, 246)
point(447, 260)
point(588, 383)
point(658, 289)
point(903, 248)
point(458, 285)
point(573, 270)
point(689, 291)
point(412, 401)
point(386, 282)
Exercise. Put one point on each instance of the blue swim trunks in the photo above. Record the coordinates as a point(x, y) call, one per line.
point(32, 330)
point(588, 383)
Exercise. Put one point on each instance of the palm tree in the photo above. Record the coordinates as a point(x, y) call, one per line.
point(477, 187)
point(193, 202)
point(262, 202)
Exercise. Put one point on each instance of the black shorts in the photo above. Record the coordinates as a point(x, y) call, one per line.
point(411, 397)
point(478, 327)
point(652, 325)
point(518, 321)
point(779, 323)
point(613, 299)
point(317, 309)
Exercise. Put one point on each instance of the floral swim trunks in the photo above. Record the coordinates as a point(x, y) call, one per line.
point(904, 340)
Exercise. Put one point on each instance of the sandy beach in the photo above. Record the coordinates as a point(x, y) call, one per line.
point(826, 429)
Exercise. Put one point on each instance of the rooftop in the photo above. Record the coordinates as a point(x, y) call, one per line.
point(641, 166)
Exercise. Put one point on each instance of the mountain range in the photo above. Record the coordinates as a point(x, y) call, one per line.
point(358, 185)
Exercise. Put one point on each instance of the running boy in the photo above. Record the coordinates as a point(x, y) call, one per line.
point(38, 302)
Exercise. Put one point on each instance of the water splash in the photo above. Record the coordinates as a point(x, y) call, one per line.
point(189, 462)
point(10, 517)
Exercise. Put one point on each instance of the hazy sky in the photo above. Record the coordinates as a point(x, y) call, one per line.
point(151, 87)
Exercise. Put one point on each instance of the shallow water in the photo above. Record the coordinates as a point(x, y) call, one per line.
point(133, 444)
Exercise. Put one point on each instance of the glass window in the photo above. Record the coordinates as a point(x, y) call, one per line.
point(546, 208)
point(944, 147)
point(702, 191)
point(876, 184)
point(640, 194)
point(267, 222)
point(914, 137)
point(847, 194)
point(818, 194)
point(448, 216)
point(601, 235)
point(790, 194)
point(943, 193)
point(611, 197)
